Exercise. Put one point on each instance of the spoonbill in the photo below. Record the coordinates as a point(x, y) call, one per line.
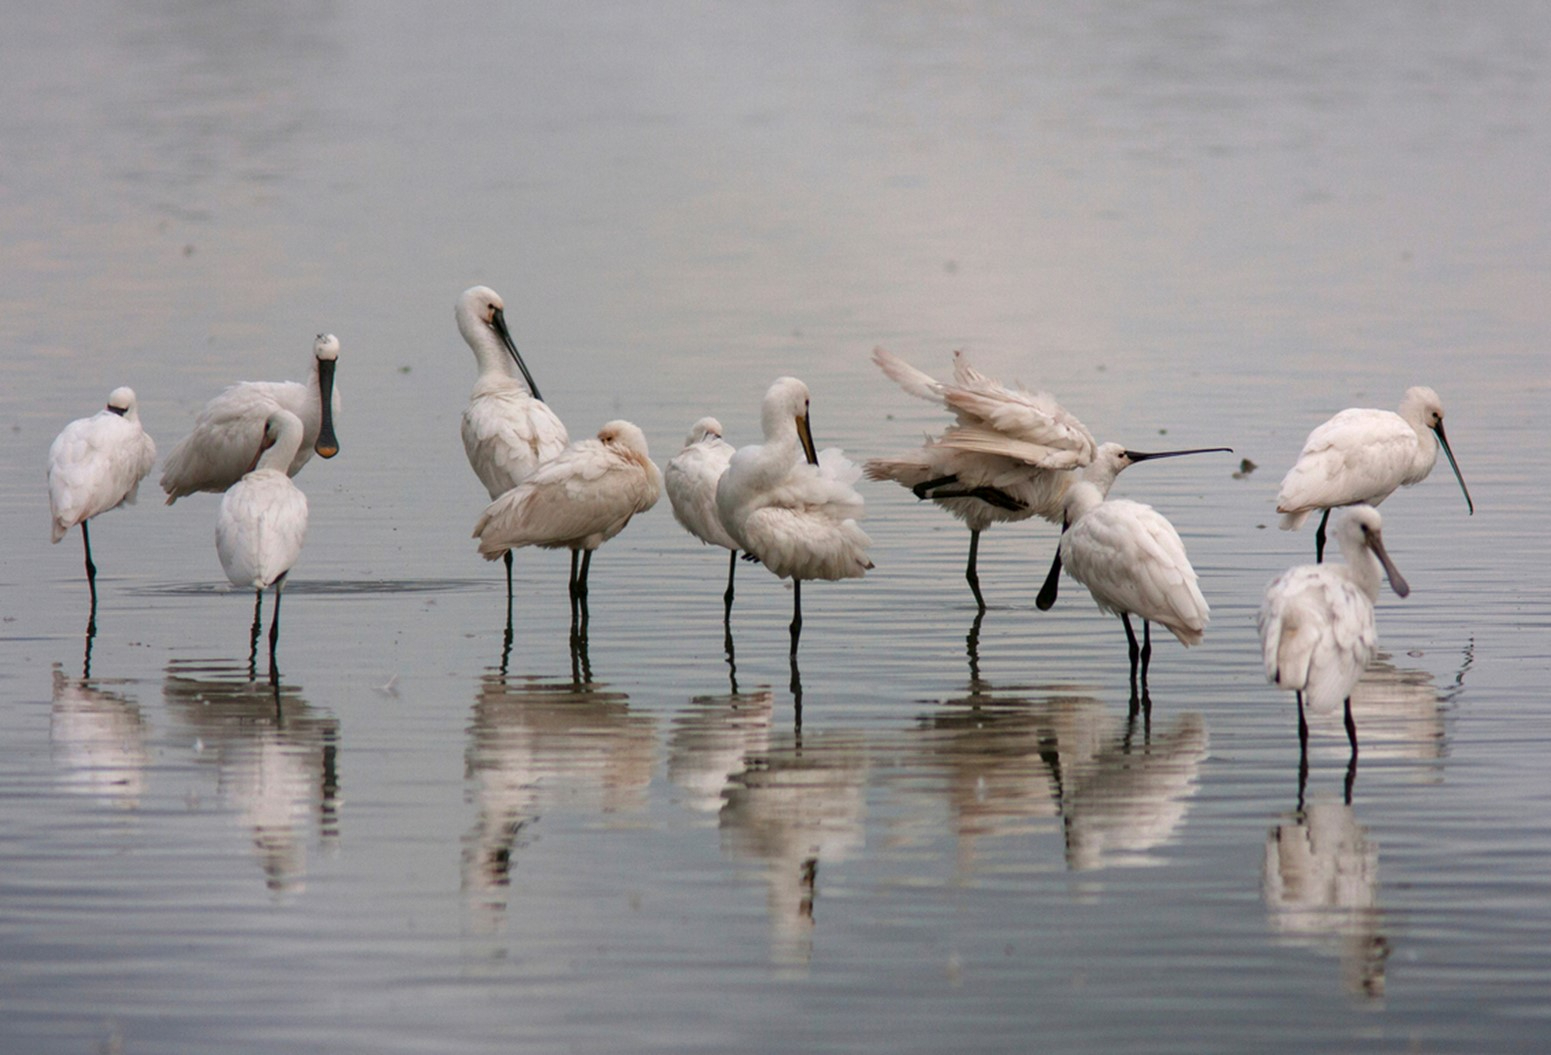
point(577, 500)
point(791, 508)
point(1129, 557)
point(219, 451)
point(1317, 628)
point(1008, 458)
point(96, 464)
point(263, 520)
point(508, 430)
point(1363, 455)
point(690, 480)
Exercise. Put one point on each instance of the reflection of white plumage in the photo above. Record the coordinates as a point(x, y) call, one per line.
point(690, 479)
point(790, 507)
point(219, 450)
point(508, 430)
point(263, 519)
point(1007, 458)
point(1363, 455)
point(1130, 557)
point(96, 464)
point(578, 500)
point(99, 742)
point(1317, 627)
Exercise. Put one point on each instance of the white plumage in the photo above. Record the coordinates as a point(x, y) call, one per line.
point(508, 431)
point(690, 479)
point(1317, 626)
point(792, 508)
point(1364, 455)
point(1130, 557)
point(230, 427)
point(262, 522)
point(96, 464)
point(577, 500)
point(1009, 456)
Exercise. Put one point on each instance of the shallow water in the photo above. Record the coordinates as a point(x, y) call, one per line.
point(1195, 225)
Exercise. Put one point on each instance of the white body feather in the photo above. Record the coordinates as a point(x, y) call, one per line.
point(96, 464)
point(690, 479)
point(262, 522)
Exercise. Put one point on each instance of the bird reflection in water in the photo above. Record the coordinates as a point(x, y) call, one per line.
point(537, 745)
point(98, 741)
point(1013, 763)
point(1320, 882)
point(712, 740)
point(276, 760)
point(797, 804)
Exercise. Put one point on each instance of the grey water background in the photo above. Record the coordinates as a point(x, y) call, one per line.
point(1196, 223)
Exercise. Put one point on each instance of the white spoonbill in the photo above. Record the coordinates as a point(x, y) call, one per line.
point(1008, 457)
point(690, 480)
point(794, 510)
point(1316, 623)
point(508, 429)
point(96, 464)
point(1363, 455)
point(578, 500)
point(219, 451)
point(1129, 557)
point(263, 520)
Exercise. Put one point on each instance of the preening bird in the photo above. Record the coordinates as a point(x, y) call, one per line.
point(1317, 627)
point(1363, 455)
point(1129, 557)
point(508, 430)
point(96, 464)
point(1008, 457)
point(690, 479)
point(230, 428)
point(262, 522)
point(578, 500)
point(791, 508)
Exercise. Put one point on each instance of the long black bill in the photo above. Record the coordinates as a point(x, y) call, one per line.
point(1047, 593)
point(1443, 441)
point(1142, 456)
point(805, 435)
point(498, 320)
point(1397, 582)
point(326, 445)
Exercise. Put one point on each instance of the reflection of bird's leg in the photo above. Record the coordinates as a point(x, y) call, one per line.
point(274, 626)
point(91, 634)
point(1351, 727)
point(253, 635)
point(809, 885)
point(796, 613)
point(1303, 773)
point(972, 647)
point(91, 569)
point(506, 642)
point(920, 489)
point(732, 568)
point(1319, 538)
point(970, 575)
point(732, 660)
point(1351, 777)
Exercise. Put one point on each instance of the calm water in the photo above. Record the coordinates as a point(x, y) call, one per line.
point(1196, 224)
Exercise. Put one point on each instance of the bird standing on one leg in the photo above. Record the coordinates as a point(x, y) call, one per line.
point(96, 464)
point(690, 479)
point(1317, 626)
point(1009, 457)
point(1364, 455)
point(508, 429)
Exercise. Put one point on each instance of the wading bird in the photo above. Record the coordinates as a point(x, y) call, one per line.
point(1363, 455)
point(263, 521)
point(1008, 458)
point(790, 508)
point(690, 479)
point(578, 500)
point(96, 464)
point(508, 430)
point(1317, 628)
point(1129, 557)
point(219, 450)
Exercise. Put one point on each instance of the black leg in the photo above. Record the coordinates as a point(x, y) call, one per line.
point(970, 575)
point(1303, 760)
point(1319, 538)
point(581, 590)
point(1132, 647)
point(1146, 652)
point(507, 560)
point(571, 589)
point(274, 624)
point(732, 569)
point(920, 489)
point(1351, 727)
point(796, 614)
point(91, 569)
point(1303, 728)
